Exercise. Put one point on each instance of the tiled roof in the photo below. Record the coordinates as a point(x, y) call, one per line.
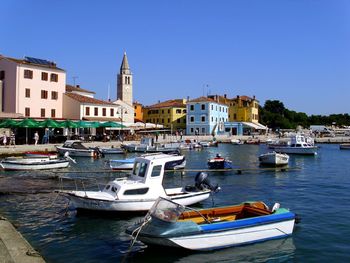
point(202, 99)
point(85, 99)
point(25, 62)
point(220, 99)
point(169, 103)
point(246, 98)
point(71, 88)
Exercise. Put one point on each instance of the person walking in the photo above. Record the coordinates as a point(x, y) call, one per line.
point(4, 139)
point(36, 138)
point(13, 139)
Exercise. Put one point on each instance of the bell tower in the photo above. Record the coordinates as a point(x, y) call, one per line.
point(124, 82)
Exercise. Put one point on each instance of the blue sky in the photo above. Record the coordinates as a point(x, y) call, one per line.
point(295, 51)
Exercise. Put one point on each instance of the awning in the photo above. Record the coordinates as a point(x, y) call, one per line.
point(254, 125)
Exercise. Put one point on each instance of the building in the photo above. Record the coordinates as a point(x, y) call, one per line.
point(244, 109)
point(138, 111)
point(125, 92)
point(171, 114)
point(32, 87)
point(205, 116)
point(80, 104)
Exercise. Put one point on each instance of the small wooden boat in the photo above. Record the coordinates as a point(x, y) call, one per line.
point(111, 150)
point(126, 164)
point(23, 163)
point(219, 163)
point(38, 154)
point(140, 190)
point(170, 224)
point(273, 158)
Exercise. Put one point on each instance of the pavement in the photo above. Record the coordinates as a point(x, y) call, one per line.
point(13, 246)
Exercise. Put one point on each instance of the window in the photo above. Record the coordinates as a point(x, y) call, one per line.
point(44, 94)
point(96, 111)
point(191, 130)
point(28, 74)
point(53, 77)
point(203, 118)
point(140, 191)
point(178, 120)
point(162, 111)
point(44, 76)
point(87, 111)
point(183, 111)
point(162, 120)
point(178, 111)
point(111, 112)
point(192, 107)
point(212, 107)
point(168, 120)
point(192, 119)
point(54, 95)
point(42, 113)
point(168, 110)
point(203, 106)
point(2, 74)
point(27, 112)
point(156, 170)
point(203, 130)
point(27, 93)
point(53, 113)
point(103, 111)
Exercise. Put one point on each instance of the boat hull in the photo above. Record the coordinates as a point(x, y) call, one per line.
point(226, 238)
point(296, 150)
point(274, 159)
point(133, 205)
point(77, 152)
point(52, 164)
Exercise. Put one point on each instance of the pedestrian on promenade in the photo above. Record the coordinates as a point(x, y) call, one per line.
point(36, 138)
point(13, 139)
point(4, 139)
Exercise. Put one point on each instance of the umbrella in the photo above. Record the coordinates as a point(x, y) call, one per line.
point(68, 124)
point(111, 124)
point(87, 124)
point(28, 123)
point(8, 123)
point(50, 123)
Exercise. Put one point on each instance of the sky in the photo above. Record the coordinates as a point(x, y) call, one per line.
point(294, 51)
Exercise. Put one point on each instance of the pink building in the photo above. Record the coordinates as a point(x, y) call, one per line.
point(32, 87)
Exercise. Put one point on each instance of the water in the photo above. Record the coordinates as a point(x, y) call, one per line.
point(318, 190)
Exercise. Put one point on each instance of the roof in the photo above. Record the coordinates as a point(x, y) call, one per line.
point(85, 99)
point(206, 99)
point(220, 99)
point(125, 63)
point(50, 64)
point(246, 98)
point(179, 103)
point(71, 88)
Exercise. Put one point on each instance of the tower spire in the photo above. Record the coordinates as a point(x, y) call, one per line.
point(124, 68)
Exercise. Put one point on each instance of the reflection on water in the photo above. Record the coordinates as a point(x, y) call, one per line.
point(281, 250)
point(320, 184)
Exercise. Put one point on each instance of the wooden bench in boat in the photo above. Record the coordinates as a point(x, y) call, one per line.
point(225, 213)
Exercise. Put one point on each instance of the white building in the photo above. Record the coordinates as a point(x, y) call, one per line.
point(32, 87)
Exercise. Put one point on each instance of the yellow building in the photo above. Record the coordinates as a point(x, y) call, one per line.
point(244, 108)
point(171, 114)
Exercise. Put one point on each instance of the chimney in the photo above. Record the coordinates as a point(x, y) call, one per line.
point(225, 96)
point(253, 97)
point(78, 86)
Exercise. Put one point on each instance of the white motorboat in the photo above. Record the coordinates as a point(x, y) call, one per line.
point(77, 149)
point(172, 225)
point(237, 141)
point(141, 189)
point(298, 144)
point(39, 163)
point(273, 158)
point(111, 150)
point(344, 146)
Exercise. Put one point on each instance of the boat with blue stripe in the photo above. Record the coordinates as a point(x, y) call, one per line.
point(174, 225)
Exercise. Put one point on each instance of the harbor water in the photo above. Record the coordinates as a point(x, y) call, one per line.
point(317, 188)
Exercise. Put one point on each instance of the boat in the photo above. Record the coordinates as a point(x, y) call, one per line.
point(208, 143)
point(40, 154)
point(125, 164)
point(273, 158)
point(173, 225)
point(76, 148)
point(111, 150)
point(140, 190)
point(147, 145)
point(219, 163)
point(236, 141)
point(344, 146)
point(38, 163)
point(298, 144)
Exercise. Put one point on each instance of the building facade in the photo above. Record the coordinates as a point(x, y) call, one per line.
point(171, 114)
point(205, 116)
point(244, 109)
point(32, 87)
point(138, 111)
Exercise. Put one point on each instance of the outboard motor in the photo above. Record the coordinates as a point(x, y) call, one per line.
point(99, 153)
point(202, 182)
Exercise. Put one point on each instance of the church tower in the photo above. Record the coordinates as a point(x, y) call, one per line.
point(124, 82)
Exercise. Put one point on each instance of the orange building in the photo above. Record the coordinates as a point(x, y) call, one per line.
point(138, 108)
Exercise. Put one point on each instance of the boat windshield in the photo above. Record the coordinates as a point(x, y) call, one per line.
point(166, 210)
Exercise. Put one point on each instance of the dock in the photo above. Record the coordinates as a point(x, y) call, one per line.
point(14, 248)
